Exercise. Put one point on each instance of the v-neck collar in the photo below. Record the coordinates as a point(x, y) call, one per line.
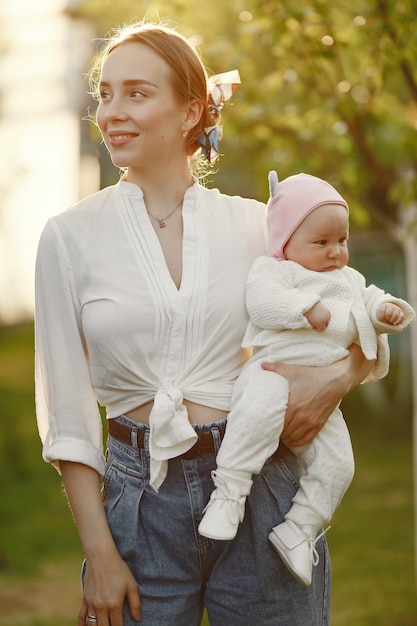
point(147, 243)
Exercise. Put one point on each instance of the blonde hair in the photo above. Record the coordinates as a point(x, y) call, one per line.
point(188, 74)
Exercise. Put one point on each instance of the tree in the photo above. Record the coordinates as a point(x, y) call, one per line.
point(328, 87)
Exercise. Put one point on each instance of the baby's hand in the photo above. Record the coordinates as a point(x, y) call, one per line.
point(318, 316)
point(390, 313)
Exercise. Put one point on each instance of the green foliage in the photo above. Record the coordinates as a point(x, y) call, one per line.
point(34, 497)
point(368, 537)
point(327, 87)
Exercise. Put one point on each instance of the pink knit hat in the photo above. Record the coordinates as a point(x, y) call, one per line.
point(289, 204)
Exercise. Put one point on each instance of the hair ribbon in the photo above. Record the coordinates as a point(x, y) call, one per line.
point(220, 89)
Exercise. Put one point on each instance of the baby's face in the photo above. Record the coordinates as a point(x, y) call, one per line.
point(320, 242)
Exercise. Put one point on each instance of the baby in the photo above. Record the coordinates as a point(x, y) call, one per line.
point(306, 307)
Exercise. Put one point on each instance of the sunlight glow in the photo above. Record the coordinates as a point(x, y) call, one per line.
point(360, 20)
point(327, 40)
point(344, 86)
point(245, 16)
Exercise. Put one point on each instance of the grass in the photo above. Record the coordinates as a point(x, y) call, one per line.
point(371, 539)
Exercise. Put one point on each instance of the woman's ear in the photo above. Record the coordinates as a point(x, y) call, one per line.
point(193, 114)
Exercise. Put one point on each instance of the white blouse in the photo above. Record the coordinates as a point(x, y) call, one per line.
point(111, 326)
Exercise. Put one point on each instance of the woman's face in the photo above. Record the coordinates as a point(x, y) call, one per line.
point(139, 117)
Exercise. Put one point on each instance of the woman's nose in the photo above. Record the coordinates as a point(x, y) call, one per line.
point(115, 109)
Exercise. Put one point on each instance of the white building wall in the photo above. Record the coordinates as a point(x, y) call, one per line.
point(43, 56)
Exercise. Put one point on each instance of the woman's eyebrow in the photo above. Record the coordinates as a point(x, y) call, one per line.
point(130, 82)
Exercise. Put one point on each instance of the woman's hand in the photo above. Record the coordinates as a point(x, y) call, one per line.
point(316, 391)
point(108, 581)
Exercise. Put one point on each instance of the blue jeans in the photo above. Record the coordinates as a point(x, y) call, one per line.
point(179, 573)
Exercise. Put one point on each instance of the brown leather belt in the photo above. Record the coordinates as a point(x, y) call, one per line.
point(203, 445)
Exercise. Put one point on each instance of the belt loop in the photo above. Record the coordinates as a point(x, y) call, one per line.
point(217, 438)
point(134, 437)
point(146, 435)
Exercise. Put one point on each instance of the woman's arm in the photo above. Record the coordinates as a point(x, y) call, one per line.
point(316, 391)
point(108, 580)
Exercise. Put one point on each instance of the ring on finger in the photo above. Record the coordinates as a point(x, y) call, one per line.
point(91, 619)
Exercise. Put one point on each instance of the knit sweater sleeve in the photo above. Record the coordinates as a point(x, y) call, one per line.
point(372, 297)
point(272, 300)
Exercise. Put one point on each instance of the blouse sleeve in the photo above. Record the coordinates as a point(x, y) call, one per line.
point(67, 412)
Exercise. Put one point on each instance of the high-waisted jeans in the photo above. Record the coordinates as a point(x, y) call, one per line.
point(179, 573)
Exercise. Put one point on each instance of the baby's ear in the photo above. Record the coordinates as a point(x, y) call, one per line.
point(273, 183)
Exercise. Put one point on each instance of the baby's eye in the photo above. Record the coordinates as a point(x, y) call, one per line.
point(322, 242)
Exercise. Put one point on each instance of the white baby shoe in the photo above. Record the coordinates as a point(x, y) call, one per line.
point(225, 510)
point(296, 548)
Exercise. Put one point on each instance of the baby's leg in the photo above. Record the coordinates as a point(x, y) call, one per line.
point(254, 426)
point(329, 466)
point(255, 423)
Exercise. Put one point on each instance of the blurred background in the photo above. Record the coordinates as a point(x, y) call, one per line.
point(327, 88)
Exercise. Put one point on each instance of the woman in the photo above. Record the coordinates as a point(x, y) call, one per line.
point(140, 304)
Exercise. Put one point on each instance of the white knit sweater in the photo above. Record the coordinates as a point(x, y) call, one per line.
point(280, 292)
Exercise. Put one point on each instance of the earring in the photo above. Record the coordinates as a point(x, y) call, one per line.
point(185, 133)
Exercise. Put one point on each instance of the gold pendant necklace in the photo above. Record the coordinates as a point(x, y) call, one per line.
point(161, 220)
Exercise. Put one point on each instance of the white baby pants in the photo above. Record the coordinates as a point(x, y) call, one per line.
point(254, 426)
